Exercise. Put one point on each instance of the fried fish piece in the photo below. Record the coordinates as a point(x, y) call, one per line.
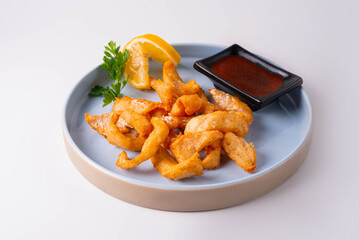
point(172, 136)
point(158, 112)
point(155, 139)
point(169, 168)
point(165, 91)
point(123, 126)
point(188, 144)
point(99, 123)
point(176, 122)
point(139, 122)
point(141, 106)
point(192, 104)
point(171, 77)
point(229, 102)
point(115, 137)
point(172, 85)
point(202, 95)
point(213, 155)
point(223, 121)
point(240, 151)
point(172, 122)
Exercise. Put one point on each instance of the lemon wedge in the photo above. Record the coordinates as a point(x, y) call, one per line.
point(142, 47)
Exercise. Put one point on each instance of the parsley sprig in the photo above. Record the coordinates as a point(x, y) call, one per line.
point(113, 62)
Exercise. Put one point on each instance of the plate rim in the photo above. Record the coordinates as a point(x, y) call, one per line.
point(106, 171)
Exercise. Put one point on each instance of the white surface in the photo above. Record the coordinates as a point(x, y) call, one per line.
point(47, 46)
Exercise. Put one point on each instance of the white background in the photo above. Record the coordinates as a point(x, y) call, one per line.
point(46, 47)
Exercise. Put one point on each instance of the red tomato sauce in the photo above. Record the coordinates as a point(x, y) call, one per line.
point(247, 76)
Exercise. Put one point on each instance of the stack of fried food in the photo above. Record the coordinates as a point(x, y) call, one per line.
point(185, 123)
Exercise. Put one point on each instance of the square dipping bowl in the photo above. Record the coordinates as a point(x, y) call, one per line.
point(249, 61)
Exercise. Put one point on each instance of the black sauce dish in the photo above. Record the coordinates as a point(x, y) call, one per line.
point(289, 80)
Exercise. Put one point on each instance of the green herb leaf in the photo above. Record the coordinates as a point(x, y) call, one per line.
point(97, 91)
point(113, 62)
point(108, 54)
point(108, 98)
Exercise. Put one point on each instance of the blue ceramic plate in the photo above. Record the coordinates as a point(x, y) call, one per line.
point(278, 130)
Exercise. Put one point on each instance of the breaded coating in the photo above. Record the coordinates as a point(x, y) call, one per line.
point(176, 122)
point(165, 92)
point(171, 77)
point(188, 144)
point(172, 136)
point(229, 102)
point(158, 112)
point(141, 106)
point(202, 95)
point(192, 104)
point(115, 137)
point(169, 168)
point(139, 122)
point(123, 126)
point(240, 151)
point(150, 147)
point(223, 121)
point(172, 86)
point(213, 155)
point(99, 123)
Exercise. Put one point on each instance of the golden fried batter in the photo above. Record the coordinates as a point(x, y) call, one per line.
point(240, 151)
point(213, 155)
point(123, 126)
point(165, 92)
point(139, 122)
point(176, 122)
point(169, 168)
point(115, 137)
point(188, 144)
point(229, 102)
point(202, 95)
point(157, 112)
point(172, 136)
point(141, 106)
point(150, 147)
point(223, 121)
point(172, 86)
point(192, 104)
point(99, 123)
point(171, 77)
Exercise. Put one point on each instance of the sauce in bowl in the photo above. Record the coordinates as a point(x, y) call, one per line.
point(247, 76)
